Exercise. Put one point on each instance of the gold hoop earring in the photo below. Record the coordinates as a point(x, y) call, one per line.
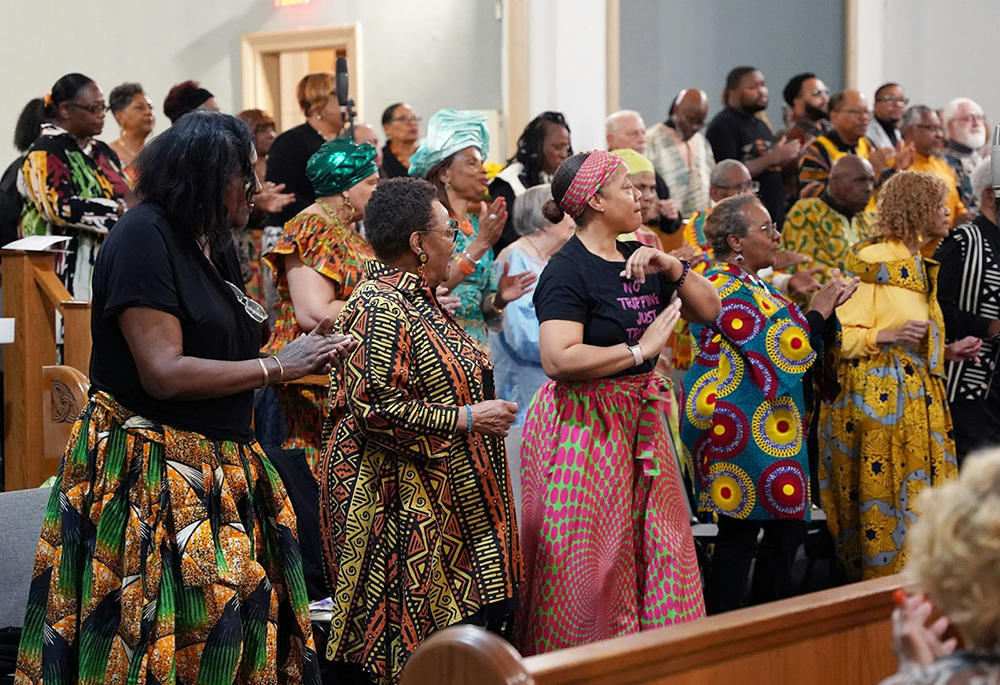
point(347, 204)
point(423, 263)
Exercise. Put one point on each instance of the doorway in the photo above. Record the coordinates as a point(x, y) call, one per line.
point(274, 61)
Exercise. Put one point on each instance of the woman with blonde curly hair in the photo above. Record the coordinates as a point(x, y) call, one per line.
point(888, 434)
point(953, 554)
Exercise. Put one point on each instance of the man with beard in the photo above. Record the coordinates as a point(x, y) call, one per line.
point(680, 153)
point(966, 128)
point(922, 130)
point(809, 101)
point(849, 117)
point(890, 101)
point(737, 133)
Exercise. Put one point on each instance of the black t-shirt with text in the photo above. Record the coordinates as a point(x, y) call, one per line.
point(146, 262)
point(577, 285)
point(742, 136)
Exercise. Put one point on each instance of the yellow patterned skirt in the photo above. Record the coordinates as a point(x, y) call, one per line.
point(887, 436)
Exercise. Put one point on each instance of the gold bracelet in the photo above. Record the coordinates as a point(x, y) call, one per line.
point(263, 369)
point(281, 369)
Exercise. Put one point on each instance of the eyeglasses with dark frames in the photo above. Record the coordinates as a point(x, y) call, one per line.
point(94, 109)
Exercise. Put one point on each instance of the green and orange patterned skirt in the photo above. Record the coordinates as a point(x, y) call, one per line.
point(165, 557)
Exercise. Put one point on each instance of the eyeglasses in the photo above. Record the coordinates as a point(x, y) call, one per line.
point(972, 118)
point(773, 226)
point(253, 308)
point(452, 230)
point(893, 98)
point(408, 120)
point(861, 113)
point(250, 187)
point(930, 127)
point(94, 109)
point(751, 187)
point(819, 91)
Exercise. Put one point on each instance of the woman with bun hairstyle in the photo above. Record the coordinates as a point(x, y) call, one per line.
point(607, 545)
point(71, 183)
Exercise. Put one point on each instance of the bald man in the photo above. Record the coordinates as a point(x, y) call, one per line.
point(680, 153)
point(365, 133)
point(849, 117)
point(827, 227)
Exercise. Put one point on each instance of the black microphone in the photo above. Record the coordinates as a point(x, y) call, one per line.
point(342, 81)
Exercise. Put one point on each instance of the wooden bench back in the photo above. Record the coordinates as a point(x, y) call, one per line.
point(841, 636)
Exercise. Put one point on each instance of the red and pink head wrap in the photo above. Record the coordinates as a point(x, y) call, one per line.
point(594, 173)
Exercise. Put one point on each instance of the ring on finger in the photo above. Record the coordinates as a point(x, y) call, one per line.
point(492, 217)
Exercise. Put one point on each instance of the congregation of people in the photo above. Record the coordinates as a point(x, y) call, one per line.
point(314, 352)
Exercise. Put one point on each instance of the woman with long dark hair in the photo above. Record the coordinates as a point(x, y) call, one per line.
point(28, 128)
point(169, 550)
point(543, 146)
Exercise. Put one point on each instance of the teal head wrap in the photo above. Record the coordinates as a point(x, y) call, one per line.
point(340, 164)
point(449, 131)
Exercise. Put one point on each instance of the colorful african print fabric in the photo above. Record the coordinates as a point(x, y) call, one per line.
point(681, 344)
point(744, 419)
point(607, 542)
point(817, 230)
point(417, 520)
point(888, 434)
point(248, 249)
point(817, 160)
point(71, 191)
point(474, 288)
point(339, 253)
point(165, 557)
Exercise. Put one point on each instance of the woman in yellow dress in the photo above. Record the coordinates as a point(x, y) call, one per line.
point(888, 434)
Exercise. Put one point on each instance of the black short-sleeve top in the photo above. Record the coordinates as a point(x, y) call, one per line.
point(577, 285)
point(146, 262)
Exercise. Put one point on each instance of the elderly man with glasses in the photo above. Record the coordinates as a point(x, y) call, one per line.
point(923, 132)
point(965, 125)
point(849, 116)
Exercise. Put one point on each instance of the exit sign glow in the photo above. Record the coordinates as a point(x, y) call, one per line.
point(290, 3)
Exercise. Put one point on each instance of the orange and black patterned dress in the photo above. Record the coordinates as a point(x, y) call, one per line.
point(339, 253)
point(417, 520)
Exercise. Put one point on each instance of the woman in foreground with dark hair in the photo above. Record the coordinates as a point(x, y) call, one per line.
point(169, 550)
point(74, 185)
point(417, 515)
point(608, 549)
point(543, 146)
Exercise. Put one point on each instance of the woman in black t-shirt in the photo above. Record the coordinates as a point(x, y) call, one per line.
point(169, 547)
point(606, 541)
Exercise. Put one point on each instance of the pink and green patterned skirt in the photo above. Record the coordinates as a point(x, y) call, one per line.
point(606, 539)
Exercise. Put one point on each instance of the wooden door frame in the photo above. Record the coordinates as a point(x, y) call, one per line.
point(253, 47)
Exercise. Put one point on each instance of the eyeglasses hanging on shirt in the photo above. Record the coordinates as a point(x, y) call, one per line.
point(253, 308)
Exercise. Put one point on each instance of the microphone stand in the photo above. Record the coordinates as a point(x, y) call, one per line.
point(349, 106)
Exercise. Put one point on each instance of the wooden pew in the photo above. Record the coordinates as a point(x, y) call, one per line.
point(841, 636)
point(32, 294)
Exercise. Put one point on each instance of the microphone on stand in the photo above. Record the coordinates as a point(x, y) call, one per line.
point(343, 93)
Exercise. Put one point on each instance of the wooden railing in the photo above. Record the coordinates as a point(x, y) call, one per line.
point(32, 294)
point(841, 636)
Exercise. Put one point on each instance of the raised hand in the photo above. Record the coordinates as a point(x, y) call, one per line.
point(512, 286)
point(804, 282)
point(492, 219)
point(647, 261)
point(656, 336)
point(787, 258)
point(314, 352)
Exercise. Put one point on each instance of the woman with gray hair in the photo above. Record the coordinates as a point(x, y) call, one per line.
point(516, 359)
point(748, 398)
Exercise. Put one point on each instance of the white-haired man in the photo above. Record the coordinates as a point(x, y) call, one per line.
point(965, 125)
point(970, 301)
point(625, 130)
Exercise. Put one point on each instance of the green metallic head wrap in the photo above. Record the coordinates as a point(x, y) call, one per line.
point(448, 132)
point(340, 164)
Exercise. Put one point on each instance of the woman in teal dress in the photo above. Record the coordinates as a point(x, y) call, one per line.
point(451, 158)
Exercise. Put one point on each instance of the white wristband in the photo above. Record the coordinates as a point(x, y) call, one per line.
point(636, 353)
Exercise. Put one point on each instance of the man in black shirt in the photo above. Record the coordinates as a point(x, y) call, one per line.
point(737, 133)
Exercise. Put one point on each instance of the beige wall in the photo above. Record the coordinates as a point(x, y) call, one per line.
point(431, 53)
